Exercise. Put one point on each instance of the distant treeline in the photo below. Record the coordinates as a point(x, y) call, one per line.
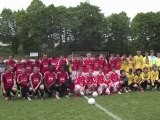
point(61, 30)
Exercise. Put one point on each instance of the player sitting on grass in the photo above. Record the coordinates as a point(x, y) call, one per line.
point(23, 82)
point(100, 82)
point(8, 83)
point(124, 79)
point(146, 82)
point(108, 84)
point(80, 84)
point(155, 77)
point(117, 83)
point(49, 81)
point(36, 83)
point(91, 86)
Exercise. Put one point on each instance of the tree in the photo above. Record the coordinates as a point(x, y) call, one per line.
point(145, 31)
point(117, 33)
point(9, 30)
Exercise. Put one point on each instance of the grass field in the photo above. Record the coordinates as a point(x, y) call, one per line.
point(129, 106)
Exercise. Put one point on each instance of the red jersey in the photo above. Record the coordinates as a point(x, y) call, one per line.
point(114, 77)
point(35, 78)
point(49, 77)
point(11, 63)
point(90, 79)
point(24, 78)
point(117, 63)
point(96, 64)
point(44, 65)
point(18, 68)
point(80, 66)
point(88, 63)
point(37, 64)
point(100, 78)
point(106, 68)
point(7, 79)
point(112, 61)
point(29, 65)
point(62, 77)
point(80, 80)
point(54, 62)
point(75, 65)
point(61, 63)
point(107, 82)
point(102, 62)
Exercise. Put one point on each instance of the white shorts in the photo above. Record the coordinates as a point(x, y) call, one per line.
point(118, 72)
point(95, 73)
point(74, 75)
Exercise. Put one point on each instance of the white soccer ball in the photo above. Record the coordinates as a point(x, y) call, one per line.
point(91, 101)
point(95, 94)
point(14, 88)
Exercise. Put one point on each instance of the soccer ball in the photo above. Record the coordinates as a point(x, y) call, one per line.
point(14, 88)
point(42, 87)
point(95, 94)
point(91, 101)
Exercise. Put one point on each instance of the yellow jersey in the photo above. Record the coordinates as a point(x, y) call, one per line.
point(137, 78)
point(147, 63)
point(130, 78)
point(124, 64)
point(157, 62)
point(138, 61)
point(146, 76)
point(130, 64)
point(154, 76)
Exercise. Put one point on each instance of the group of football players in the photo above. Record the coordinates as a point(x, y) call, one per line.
point(79, 75)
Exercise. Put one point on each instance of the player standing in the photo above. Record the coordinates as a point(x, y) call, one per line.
point(138, 60)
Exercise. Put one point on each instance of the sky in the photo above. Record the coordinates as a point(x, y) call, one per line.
point(131, 7)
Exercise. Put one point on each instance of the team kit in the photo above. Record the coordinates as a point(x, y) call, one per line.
point(79, 75)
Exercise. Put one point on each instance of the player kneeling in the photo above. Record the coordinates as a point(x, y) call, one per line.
point(155, 77)
point(23, 81)
point(137, 81)
point(91, 86)
point(116, 81)
point(108, 83)
point(124, 80)
point(8, 84)
point(100, 82)
point(36, 83)
point(80, 84)
point(145, 83)
point(62, 84)
point(49, 81)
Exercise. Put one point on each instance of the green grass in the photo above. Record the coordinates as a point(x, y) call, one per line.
point(130, 106)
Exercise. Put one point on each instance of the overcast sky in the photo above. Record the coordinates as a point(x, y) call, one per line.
point(131, 7)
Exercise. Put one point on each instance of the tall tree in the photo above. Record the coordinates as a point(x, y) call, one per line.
point(9, 30)
point(145, 31)
point(117, 33)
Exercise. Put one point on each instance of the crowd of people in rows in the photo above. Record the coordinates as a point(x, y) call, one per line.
point(79, 75)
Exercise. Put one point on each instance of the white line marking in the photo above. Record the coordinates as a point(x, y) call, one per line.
point(105, 110)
